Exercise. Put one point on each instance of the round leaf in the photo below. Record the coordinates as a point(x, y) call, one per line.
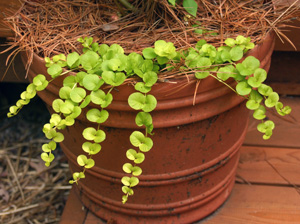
point(97, 116)
point(77, 94)
point(236, 53)
point(243, 88)
point(149, 53)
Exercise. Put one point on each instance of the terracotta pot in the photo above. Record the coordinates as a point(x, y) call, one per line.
point(188, 173)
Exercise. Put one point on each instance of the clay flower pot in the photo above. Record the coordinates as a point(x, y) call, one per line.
point(191, 169)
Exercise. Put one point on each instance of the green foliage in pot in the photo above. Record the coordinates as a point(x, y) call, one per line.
point(97, 66)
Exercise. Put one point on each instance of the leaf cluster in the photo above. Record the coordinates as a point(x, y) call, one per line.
point(100, 65)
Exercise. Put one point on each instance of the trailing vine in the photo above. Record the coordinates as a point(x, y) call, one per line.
point(100, 65)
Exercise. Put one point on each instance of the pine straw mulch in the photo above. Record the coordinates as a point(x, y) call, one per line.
point(50, 27)
point(29, 192)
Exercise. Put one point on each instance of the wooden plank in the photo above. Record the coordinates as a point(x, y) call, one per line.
point(250, 204)
point(266, 165)
point(287, 130)
point(286, 88)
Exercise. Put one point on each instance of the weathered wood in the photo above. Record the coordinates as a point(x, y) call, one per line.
point(255, 204)
point(269, 166)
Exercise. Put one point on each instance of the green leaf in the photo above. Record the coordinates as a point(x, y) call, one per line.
point(47, 158)
point(91, 148)
point(135, 170)
point(138, 139)
point(55, 119)
point(241, 39)
point(260, 113)
point(236, 53)
point(124, 198)
point(200, 43)
point(54, 70)
point(31, 88)
point(70, 81)
point(40, 82)
point(77, 94)
point(226, 72)
point(165, 49)
point(258, 77)
point(103, 48)
point(67, 107)
point(150, 103)
point(78, 175)
point(172, 2)
point(97, 116)
point(252, 105)
point(111, 65)
point(162, 60)
point(92, 82)
point(126, 181)
point(140, 86)
point(251, 63)
point(64, 92)
point(126, 190)
point(48, 147)
point(56, 105)
point(99, 97)
point(150, 78)
point(69, 120)
point(73, 60)
point(59, 137)
point(136, 101)
point(201, 75)
point(89, 60)
point(135, 156)
point(190, 6)
point(243, 88)
point(85, 102)
point(225, 56)
point(265, 90)
point(282, 110)
point(244, 71)
point(113, 78)
point(230, 42)
point(130, 181)
point(266, 128)
point(82, 160)
point(149, 53)
point(94, 135)
point(254, 100)
point(127, 167)
point(272, 99)
point(143, 118)
point(89, 133)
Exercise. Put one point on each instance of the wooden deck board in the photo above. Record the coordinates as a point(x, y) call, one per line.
point(257, 204)
point(266, 165)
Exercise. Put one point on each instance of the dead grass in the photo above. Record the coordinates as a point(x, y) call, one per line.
point(52, 26)
point(29, 191)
